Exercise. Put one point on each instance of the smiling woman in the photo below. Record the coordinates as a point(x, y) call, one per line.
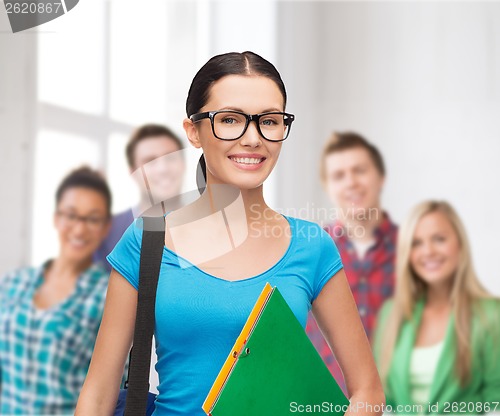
point(437, 341)
point(49, 316)
point(222, 249)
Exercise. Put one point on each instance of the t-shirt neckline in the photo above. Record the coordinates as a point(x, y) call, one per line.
point(251, 279)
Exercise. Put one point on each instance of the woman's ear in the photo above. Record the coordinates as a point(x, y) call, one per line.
point(191, 133)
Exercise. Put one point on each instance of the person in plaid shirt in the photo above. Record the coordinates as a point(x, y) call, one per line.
point(50, 315)
point(353, 173)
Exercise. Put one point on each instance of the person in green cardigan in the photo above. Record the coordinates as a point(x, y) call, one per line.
point(437, 341)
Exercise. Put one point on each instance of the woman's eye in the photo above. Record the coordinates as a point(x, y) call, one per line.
point(94, 221)
point(269, 122)
point(229, 120)
point(72, 217)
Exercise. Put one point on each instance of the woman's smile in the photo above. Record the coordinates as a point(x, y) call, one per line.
point(247, 161)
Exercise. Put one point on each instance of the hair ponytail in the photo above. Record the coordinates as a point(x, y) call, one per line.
point(201, 174)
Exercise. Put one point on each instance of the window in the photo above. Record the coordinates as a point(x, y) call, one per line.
point(103, 69)
point(108, 66)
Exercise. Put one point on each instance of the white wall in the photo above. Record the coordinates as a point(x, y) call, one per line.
point(17, 124)
point(421, 81)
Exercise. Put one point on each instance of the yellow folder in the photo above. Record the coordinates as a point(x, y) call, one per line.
point(273, 368)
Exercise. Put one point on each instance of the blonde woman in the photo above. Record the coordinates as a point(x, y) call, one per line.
point(437, 342)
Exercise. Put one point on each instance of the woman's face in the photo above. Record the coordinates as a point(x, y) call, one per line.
point(248, 161)
point(82, 223)
point(435, 250)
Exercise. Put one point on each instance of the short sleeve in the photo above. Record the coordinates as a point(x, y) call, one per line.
point(4, 285)
point(329, 261)
point(14, 282)
point(126, 255)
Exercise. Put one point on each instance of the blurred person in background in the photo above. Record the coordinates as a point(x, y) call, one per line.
point(156, 164)
point(50, 315)
point(437, 342)
point(353, 174)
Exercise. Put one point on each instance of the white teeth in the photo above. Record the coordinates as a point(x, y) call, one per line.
point(78, 242)
point(355, 198)
point(432, 264)
point(246, 160)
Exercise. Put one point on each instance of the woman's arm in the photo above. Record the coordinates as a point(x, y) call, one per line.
point(338, 319)
point(100, 390)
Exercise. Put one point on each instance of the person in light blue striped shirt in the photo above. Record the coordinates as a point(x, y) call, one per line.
point(50, 315)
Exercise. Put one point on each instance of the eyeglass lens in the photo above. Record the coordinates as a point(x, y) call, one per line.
point(70, 219)
point(230, 125)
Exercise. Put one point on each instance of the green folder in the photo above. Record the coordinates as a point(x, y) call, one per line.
point(274, 369)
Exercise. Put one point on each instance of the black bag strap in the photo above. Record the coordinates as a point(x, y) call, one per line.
point(153, 241)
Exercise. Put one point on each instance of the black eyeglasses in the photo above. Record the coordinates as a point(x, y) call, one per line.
point(231, 125)
point(71, 219)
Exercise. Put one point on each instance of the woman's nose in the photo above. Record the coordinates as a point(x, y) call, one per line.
point(252, 136)
point(428, 248)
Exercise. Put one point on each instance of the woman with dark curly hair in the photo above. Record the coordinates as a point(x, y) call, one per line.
point(50, 315)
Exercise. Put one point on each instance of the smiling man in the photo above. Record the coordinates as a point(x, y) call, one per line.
point(156, 163)
point(353, 174)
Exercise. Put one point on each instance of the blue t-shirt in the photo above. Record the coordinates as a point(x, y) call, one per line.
point(199, 316)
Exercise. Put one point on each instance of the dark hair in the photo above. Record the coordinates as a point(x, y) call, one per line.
point(232, 63)
point(219, 66)
point(349, 140)
point(88, 178)
point(145, 132)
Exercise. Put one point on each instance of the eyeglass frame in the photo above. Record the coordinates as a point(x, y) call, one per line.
point(287, 120)
point(92, 223)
